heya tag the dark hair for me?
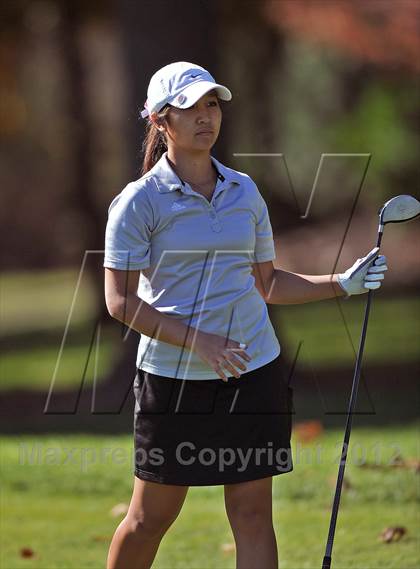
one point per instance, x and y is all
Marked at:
(154, 143)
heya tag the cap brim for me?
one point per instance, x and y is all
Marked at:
(192, 93)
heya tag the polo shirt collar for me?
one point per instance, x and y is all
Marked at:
(168, 181)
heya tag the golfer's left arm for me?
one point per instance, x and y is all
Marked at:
(277, 286)
(283, 287)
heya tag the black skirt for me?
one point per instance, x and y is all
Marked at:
(208, 432)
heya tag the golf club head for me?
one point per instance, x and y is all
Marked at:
(398, 209)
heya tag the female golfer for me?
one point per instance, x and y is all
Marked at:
(189, 264)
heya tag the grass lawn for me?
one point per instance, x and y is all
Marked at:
(33, 366)
(60, 506)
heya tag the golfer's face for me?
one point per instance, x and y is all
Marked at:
(197, 127)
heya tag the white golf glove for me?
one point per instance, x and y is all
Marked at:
(366, 273)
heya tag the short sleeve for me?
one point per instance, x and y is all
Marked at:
(264, 244)
(128, 231)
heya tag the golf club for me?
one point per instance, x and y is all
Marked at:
(396, 210)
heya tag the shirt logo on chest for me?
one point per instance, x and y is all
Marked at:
(176, 206)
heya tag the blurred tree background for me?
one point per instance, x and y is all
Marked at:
(310, 79)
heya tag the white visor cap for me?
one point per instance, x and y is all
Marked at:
(180, 84)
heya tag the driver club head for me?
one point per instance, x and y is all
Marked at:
(398, 209)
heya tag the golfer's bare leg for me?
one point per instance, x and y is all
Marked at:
(249, 509)
(153, 508)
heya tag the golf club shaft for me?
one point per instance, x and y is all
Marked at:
(327, 559)
(326, 564)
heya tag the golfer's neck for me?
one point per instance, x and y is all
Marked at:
(195, 166)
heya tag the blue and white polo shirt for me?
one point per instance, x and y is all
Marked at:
(195, 259)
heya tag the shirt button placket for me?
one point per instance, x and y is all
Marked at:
(215, 225)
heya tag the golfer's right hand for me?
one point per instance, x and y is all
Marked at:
(218, 353)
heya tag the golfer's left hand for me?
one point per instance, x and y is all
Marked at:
(366, 273)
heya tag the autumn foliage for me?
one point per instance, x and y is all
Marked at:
(380, 32)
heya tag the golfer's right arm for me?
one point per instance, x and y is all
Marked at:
(124, 305)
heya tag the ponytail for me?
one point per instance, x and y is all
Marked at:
(154, 144)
